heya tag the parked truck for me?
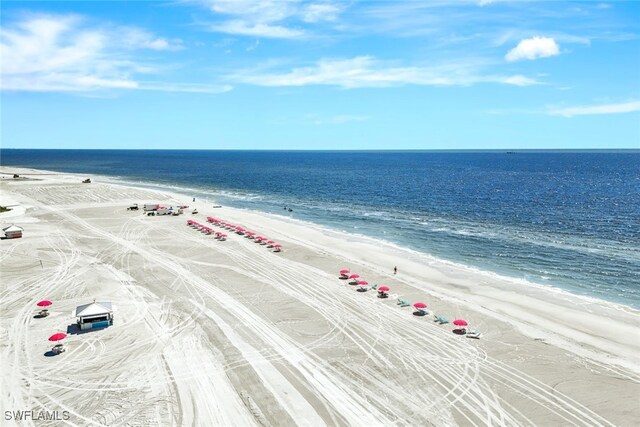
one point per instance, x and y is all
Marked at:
(152, 207)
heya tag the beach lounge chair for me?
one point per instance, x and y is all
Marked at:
(403, 303)
(58, 348)
(473, 334)
(441, 320)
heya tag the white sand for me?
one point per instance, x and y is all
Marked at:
(230, 333)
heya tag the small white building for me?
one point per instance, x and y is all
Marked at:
(13, 232)
(94, 315)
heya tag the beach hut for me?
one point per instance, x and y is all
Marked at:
(12, 232)
(93, 315)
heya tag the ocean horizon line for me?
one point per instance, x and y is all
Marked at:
(348, 150)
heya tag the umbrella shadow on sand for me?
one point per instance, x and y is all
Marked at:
(419, 313)
(51, 353)
(459, 331)
(39, 316)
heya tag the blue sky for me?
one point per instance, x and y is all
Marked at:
(322, 74)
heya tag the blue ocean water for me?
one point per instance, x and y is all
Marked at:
(565, 219)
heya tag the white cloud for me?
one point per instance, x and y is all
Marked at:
(533, 48)
(269, 18)
(63, 53)
(320, 12)
(244, 28)
(366, 71)
(135, 38)
(585, 110)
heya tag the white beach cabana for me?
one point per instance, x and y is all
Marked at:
(94, 315)
(13, 232)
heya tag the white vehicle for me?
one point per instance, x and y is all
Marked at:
(151, 207)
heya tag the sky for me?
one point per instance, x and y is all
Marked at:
(320, 74)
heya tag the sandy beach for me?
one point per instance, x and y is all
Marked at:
(232, 334)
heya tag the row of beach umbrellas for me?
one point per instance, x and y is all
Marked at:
(245, 232)
(207, 230)
(419, 306)
(58, 336)
(356, 279)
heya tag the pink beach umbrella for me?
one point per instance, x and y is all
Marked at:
(383, 289)
(270, 242)
(460, 322)
(354, 276)
(363, 283)
(57, 337)
(44, 303)
(344, 271)
(420, 305)
(277, 246)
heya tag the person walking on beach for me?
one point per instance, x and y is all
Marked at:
(395, 270)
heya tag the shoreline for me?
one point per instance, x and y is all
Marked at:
(517, 320)
(180, 192)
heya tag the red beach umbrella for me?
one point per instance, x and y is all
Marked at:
(363, 282)
(45, 303)
(420, 305)
(57, 337)
(383, 288)
(345, 271)
(354, 276)
(460, 322)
